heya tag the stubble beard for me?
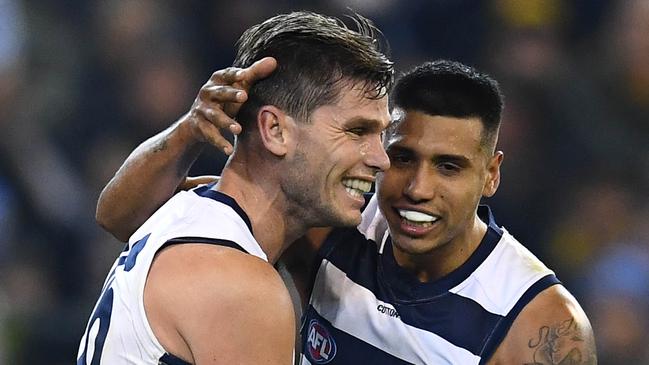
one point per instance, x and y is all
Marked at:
(307, 202)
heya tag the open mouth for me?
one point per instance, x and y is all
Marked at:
(357, 187)
(415, 218)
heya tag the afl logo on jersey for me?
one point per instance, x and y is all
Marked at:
(320, 345)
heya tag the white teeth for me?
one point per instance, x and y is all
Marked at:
(415, 216)
(354, 192)
(357, 187)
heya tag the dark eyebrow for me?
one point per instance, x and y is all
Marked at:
(374, 125)
(395, 147)
(456, 159)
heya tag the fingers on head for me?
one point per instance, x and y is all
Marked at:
(213, 136)
(223, 94)
(214, 116)
(260, 69)
(218, 118)
(228, 75)
(243, 77)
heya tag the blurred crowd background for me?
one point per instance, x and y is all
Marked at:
(83, 82)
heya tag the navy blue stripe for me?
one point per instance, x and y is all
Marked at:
(131, 259)
(501, 329)
(207, 192)
(346, 349)
(169, 359)
(449, 316)
(355, 255)
(211, 241)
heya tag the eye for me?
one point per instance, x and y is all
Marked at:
(400, 158)
(358, 131)
(449, 168)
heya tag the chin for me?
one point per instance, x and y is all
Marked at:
(351, 219)
(341, 218)
(413, 246)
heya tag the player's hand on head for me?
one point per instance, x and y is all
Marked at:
(244, 78)
(219, 100)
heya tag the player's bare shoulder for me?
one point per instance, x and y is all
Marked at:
(213, 304)
(551, 329)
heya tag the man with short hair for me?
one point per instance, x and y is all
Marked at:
(196, 283)
(443, 284)
(428, 277)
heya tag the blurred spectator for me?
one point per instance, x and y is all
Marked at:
(591, 220)
(527, 54)
(617, 294)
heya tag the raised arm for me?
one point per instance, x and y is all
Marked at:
(551, 329)
(156, 168)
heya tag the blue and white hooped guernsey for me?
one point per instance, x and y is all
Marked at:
(118, 331)
(365, 309)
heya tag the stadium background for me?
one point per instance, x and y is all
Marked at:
(83, 82)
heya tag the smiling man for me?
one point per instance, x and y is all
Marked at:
(429, 277)
(196, 283)
(443, 284)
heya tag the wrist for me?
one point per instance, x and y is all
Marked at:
(183, 133)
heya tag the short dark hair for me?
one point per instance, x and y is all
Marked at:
(449, 88)
(316, 56)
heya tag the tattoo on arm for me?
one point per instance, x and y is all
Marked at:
(183, 163)
(558, 344)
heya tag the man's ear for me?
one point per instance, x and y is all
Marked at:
(276, 129)
(493, 175)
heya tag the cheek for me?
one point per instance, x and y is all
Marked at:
(389, 184)
(463, 196)
(384, 203)
(363, 148)
(349, 156)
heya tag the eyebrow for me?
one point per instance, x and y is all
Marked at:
(374, 124)
(457, 159)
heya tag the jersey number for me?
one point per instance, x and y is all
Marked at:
(95, 337)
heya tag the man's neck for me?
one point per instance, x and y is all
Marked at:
(443, 260)
(266, 206)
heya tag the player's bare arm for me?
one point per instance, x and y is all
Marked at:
(551, 329)
(156, 168)
(212, 304)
